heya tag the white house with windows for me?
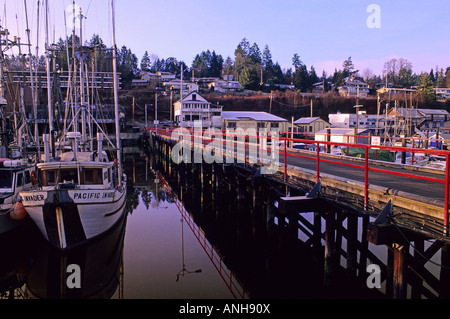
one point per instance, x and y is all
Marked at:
(253, 120)
(310, 125)
(354, 87)
(365, 121)
(197, 108)
(442, 93)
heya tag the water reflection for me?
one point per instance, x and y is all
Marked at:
(100, 263)
(148, 254)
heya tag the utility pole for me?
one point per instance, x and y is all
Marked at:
(270, 105)
(156, 112)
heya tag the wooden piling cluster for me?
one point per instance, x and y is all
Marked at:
(347, 240)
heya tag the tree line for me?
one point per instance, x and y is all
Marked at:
(254, 68)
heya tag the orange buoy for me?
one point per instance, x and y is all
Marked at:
(18, 212)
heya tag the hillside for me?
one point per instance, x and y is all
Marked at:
(284, 104)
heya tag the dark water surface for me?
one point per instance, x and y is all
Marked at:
(141, 258)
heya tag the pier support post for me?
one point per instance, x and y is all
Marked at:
(330, 260)
(352, 245)
(400, 269)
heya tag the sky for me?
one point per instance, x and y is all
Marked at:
(323, 33)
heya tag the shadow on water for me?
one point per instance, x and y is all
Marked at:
(267, 261)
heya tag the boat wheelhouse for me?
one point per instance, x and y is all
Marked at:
(15, 176)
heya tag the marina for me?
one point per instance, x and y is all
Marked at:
(163, 181)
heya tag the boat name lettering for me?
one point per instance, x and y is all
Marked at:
(93, 195)
(30, 198)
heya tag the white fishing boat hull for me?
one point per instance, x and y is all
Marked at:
(70, 217)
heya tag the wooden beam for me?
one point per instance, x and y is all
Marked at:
(302, 204)
(386, 234)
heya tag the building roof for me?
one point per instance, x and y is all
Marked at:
(341, 131)
(433, 111)
(251, 116)
(306, 120)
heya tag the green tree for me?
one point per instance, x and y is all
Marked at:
(249, 78)
(254, 55)
(240, 57)
(296, 62)
(146, 62)
(216, 65)
(425, 90)
(348, 68)
(302, 80)
(227, 69)
(447, 79)
(127, 65)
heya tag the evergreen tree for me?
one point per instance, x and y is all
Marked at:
(254, 55)
(127, 65)
(146, 63)
(425, 90)
(227, 69)
(249, 78)
(301, 79)
(447, 79)
(296, 62)
(348, 68)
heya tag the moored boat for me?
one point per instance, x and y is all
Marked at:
(15, 176)
(79, 198)
(81, 192)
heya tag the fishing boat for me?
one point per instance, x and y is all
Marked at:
(17, 171)
(81, 191)
(15, 176)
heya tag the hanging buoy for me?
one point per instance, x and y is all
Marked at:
(18, 212)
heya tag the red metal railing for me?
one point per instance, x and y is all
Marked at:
(287, 152)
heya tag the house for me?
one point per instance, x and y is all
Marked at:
(365, 121)
(399, 91)
(253, 120)
(165, 76)
(309, 125)
(145, 80)
(197, 108)
(225, 86)
(343, 135)
(354, 87)
(442, 93)
(423, 119)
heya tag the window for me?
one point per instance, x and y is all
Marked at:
(194, 97)
(92, 176)
(5, 179)
(51, 180)
(69, 175)
(19, 179)
(27, 177)
(231, 125)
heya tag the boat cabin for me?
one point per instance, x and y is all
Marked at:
(82, 172)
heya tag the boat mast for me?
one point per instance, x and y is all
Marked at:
(49, 86)
(33, 89)
(116, 97)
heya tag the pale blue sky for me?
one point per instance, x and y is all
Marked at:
(323, 32)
